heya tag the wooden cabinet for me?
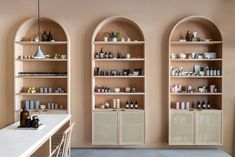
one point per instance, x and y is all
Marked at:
(118, 127)
(118, 73)
(181, 128)
(208, 127)
(195, 127)
(105, 128)
(195, 83)
(132, 127)
(49, 77)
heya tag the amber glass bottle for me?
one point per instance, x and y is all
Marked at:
(23, 116)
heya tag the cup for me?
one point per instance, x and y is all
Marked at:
(63, 56)
(128, 55)
(128, 89)
(193, 55)
(177, 105)
(27, 106)
(105, 39)
(173, 56)
(187, 105)
(182, 105)
(212, 88)
(123, 39)
(37, 104)
(128, 39)
(31, 104)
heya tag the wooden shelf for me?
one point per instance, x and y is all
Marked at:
(196, 77)
(115, 117)
(196, 43)
(195, 94)
(120, 109)
(42, 60)
(41, 43)
(193, 110)
(196, 60)
(195, 126)
(42, 77)
(42, 94)
(129, 77)
(46, 111)
(120, 93)
(119, 60)
(48, 72)
(119, 43)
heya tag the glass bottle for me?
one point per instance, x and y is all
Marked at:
(23, 116)
(50, 37)
(136, 105)
(127, 105)
(44, 36)
(198, 105)
(131, 105)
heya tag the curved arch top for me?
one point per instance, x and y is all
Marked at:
(117, 23)
(204, 26)
(28, 29)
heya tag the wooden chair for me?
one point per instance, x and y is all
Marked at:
(61, 143)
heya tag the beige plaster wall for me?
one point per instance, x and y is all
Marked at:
(156, 18)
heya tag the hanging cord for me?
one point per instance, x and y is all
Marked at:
(38, 22)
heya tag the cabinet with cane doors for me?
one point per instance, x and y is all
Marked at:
(41, 85)
(118, 83)
(195, 83)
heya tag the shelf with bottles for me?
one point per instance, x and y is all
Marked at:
(195, 56)
(110, 101)
(55, 57)
(127, 72)
(112, 37)
(43, 104)
(179, 89)
(197, 105)
(198, 71)
(204, 42)
(194, 33)
(111, 54)
(104, 90)
(42, 91)
(116, 104)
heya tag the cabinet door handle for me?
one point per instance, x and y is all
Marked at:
(114, 110)
(123, 110)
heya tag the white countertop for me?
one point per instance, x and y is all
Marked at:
(21, 143)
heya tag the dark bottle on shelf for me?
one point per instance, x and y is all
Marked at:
(208, 105)
(23, 116)
(204, 105)
(110, 55)
(136, 105)
(50, 37)
(101, 55)
(199, 105)
(44, 36)
(127, 105)
(131, 105)
(188, 36)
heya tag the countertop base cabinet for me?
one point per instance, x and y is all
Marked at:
(181, 128)
(118, 127)
(209, 128)
(195, 127)
(105, 128)
(132, 128)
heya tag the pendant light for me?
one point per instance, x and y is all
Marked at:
(38, 54)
